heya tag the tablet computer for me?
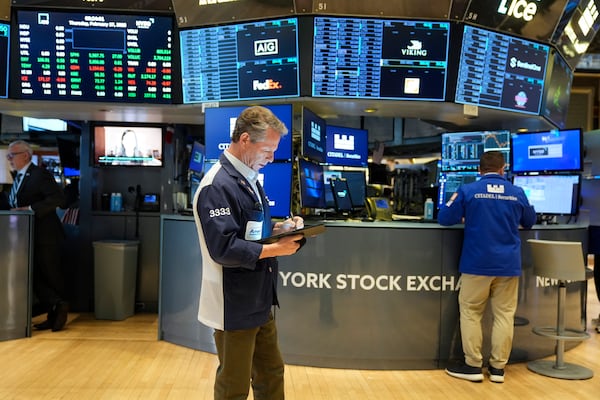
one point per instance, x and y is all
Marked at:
(311, 230)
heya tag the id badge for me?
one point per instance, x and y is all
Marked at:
(254, 230)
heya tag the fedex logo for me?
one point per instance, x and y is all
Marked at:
(343, 142)
(268, 84)
(266, 47)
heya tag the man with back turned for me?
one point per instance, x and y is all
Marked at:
(492, 210)
(239, 274)
(34, 189)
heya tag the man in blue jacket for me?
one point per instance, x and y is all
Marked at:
(492, 209)
(239, 274)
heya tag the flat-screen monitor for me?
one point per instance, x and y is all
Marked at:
(501, 71)
(127, 145)
(341, 195)
(551, 194)
(69, 152)
(219, 123)
(311, 182)
(461, 150)
(580, 26)
(357, 185)
(380, 58)
(347, 147)
(276, 179)
(44, 124)
(197, 158)
(4, 59)
(547, 151)
(93, 56)
(449, 182)
(313, 136)
(192, 13)
(533, 19)
(252, 60)
(557, 92)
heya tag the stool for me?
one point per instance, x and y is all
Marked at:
(564, 262)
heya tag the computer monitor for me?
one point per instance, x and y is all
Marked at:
(312, 193)
(197, 158)
(449, 182)
(547, 151)
(461, 151)
(356, 184)
(551, 194)
(313, 136)
(347, 147)
(276, 179)
(341, 195)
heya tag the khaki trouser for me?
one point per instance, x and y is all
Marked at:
(249, 356)
(502, 293)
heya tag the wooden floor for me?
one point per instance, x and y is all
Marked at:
(93, 359)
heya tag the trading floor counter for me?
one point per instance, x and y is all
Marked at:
(370, 295)
(15, 274)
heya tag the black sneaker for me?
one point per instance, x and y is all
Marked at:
(464, 371)
(496, 374)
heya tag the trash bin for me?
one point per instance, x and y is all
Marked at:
(115, 271)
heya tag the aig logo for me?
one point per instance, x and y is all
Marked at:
(266, 47)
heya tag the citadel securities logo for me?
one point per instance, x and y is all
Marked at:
(266, 47)
(383, 283)
(343, 142)
(519, 9)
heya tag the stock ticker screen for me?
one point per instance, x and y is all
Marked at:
(94, 57)
(376, 58)
(243, 61)
(4, 57)
(461, 150)
(501, 71)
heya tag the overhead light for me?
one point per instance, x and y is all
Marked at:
(370, 110)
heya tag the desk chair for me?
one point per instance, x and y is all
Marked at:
(562, 261)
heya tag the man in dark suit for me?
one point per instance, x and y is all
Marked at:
(35, 189)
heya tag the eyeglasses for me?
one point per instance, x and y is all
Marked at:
(10, 156)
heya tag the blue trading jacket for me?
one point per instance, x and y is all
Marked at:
(492, 208)
(238, 290)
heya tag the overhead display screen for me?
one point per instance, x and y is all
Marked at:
(196, 13)
(377, 58)
(93, 57)
(237, 62)
(501, 71)
(579, 31)
(533, 19)
(4, 57)
(558, 91)
(406, 8)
